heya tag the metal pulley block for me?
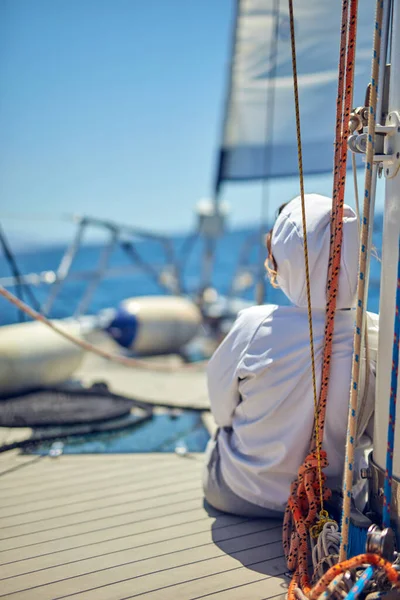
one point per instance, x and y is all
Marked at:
(358, 119)
(387, 142)
(357, 143)
(382, 542)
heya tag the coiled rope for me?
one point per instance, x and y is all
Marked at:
(358, 561)
(325, 549)
(360, 307)
(117, 358)
(308, 491)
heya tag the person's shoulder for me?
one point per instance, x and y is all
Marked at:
(248, 322)
(234, 346)
(258, 322)
(254, 316)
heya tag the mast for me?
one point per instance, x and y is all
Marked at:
(390, 257)
(210, 213)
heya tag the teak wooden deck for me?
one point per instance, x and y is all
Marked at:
(182, 388)
(108, 527)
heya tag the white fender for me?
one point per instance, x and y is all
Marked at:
(155, 324)
(33, 356)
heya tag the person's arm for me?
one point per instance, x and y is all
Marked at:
(223, 371)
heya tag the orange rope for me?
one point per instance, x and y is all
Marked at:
(300, 515)
(361, 287)
(303, 504)
(352, 563)
(345, 88)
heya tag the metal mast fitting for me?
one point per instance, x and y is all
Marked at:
(387, 135)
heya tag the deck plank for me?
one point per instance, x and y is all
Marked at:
(115, 567)
(255, 590)
(144, 533)
(53, 501)
(69, 487)
(13, 435)
(185, 538)
(12, 461)
(85, 529)
(50, 471)
(186, 388)
(143, 498)
(100, 507)
(185, 527)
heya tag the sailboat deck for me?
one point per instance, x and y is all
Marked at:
(125, 526)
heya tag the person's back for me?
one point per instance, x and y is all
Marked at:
(259, 379)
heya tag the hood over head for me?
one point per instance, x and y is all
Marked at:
(287, 246)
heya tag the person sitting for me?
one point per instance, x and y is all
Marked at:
(259, 378)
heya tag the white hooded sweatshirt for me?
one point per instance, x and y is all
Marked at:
(259, 378)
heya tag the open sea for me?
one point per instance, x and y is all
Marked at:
(110, 292)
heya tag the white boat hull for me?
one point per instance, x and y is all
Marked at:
(155, 324)
(33, 356)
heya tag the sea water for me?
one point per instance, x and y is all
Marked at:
(112, 291)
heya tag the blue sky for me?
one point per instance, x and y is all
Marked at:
(113, 108)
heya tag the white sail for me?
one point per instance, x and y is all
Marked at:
(259, 137)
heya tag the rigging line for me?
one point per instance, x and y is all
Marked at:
(360, 307)
(301, 509)
(338, 129)
(131, 250)
(364, 399)
(306, 263)
(186, 250)
(385, 48)
(356, 195)
(302, 496)
(117, 358)
(17, 274)
(269, 130)
(345, 98)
